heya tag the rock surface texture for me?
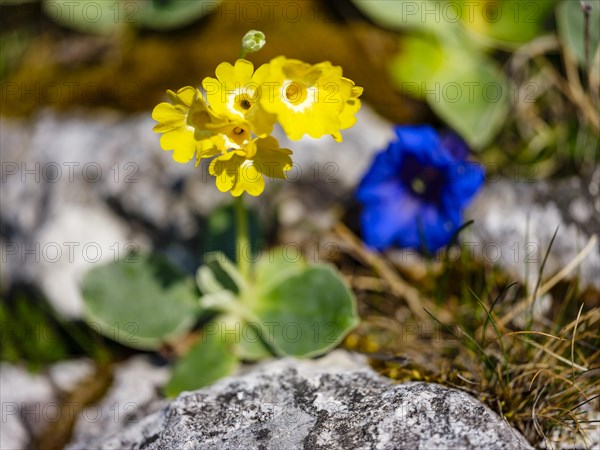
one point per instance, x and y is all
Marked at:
(324, 404)
(515, 222)
(31, 401)
(134, 393)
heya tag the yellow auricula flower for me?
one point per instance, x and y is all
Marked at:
(235, 94)
(229, 135)
(188, 125)
(307, 99)
(232, 125)
(243, 170)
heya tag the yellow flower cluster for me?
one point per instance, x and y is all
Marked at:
(232, 119)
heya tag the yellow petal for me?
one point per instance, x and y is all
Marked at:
(184, 96)
(224, 168)
(182, 142)
(205, 149)
(235, 76)
(168, 117)
(249, 180)
(270, 159)
(261, 121)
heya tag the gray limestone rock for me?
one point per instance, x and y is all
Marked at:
(31, 402)
(28, 404)
(292, 404)
(134, 394)
(65, 375)
(515, 222)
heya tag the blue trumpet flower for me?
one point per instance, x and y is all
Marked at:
(415, 191)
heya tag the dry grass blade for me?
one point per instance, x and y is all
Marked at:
(589, 317)
(573, 341)
(562, 274)
(541, 333)
(560, 358)
(397, 284)
(535, 419)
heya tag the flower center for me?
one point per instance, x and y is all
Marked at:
(298, 96)
(243, 101)
(245, 104)
(425, 181)
(295, 93)
(418, 185)
(236, 136)
(240, 101)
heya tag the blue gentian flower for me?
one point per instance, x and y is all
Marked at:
(414, 192)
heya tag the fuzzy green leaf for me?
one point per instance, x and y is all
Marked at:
(208, 360)
(307, 312)
(219, 273)
(141, 302)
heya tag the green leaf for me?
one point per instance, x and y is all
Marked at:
(421, 57)
(510, 22)
(220, 301)
(104, 17)
(570, 21)
(464, 87)
(219, 273)
(276, 264)
(307, 312)
(250, 345)
(88, 16)
(208, 360)
(474, 102)
(402, 14)
(141, 302)
(170, 14)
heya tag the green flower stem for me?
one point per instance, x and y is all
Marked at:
(242, 238)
